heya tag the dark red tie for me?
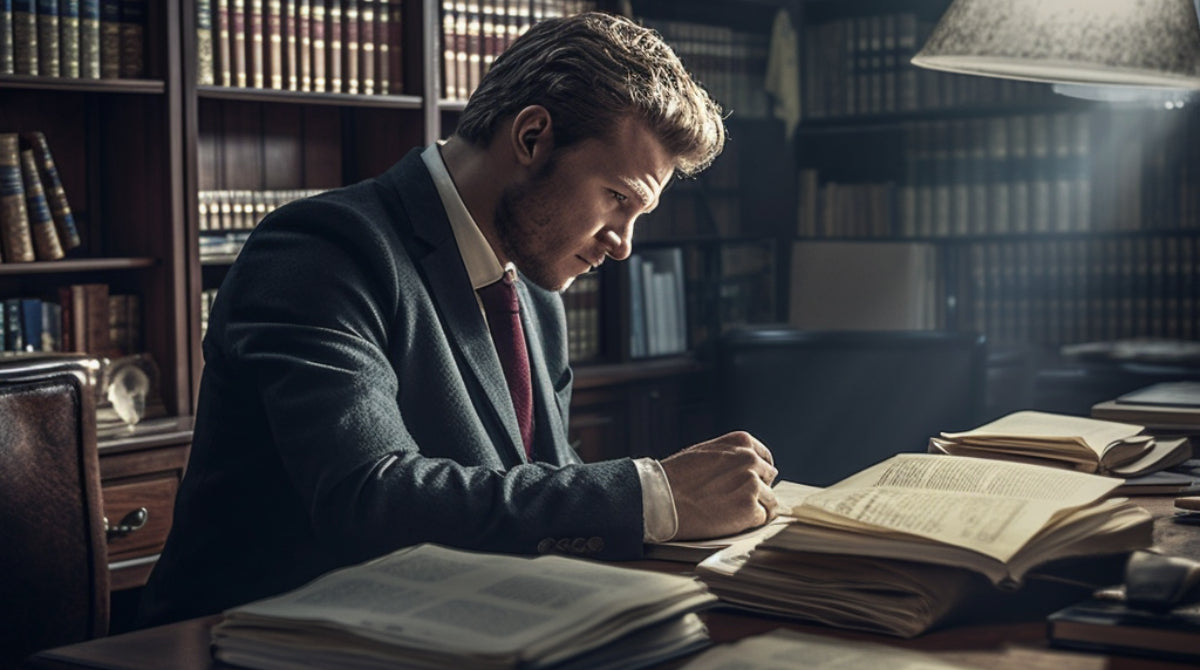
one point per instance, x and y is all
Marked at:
(504, 320)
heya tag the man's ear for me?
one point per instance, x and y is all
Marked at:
(531, 135)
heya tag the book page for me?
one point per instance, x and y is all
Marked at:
(431, 597)
(1047, 428)
(781, 649)
(992, 507)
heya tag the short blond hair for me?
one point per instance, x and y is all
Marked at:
(589, 71)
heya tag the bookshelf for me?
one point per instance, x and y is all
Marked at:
(1056, 221)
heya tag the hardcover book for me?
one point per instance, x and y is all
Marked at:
(56, 196)
(255, 46)
(305, 44)
(317, 29)
(367, 26)
(350, 46)
(222, 42)
(237, 46)
(333, 46)
(89, 39)
(47, 38)
(68, 38)
(1114, 626)
(14, 217)
(25, 36)
(41, 224)
(273, 24)
(110, 39)
(205, 73)
(6, 43)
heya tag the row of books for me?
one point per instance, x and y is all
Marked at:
(36, 222)
(582, 304)
(88, 39)
(207, 296)
(242, 209)
(657, 303)
(1065, 291)
(710, 204)
(83, 318)
(861, 66)
(732, 64)
(475, 32)
(1023, 173)
(336, 46)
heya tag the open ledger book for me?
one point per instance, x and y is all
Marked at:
(892, 548)
(432, 607)
(1089, 445)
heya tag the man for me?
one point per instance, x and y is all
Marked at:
(354, 400)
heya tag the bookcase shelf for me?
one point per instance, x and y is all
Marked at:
(135, 86)
(74, 266)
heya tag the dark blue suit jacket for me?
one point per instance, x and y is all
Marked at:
(352, 403)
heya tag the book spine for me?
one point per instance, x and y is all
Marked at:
(319, 47)
(395, 51)
(56, 196)
(383, 49)
(89, 39)
(31, 323)
(205, 74)
(333, 45)
(110, 39)
(222, 63)
(133, 39)
(41, 224)
(305, 46)
(350, 46)
(289, 45)
(51, 326)
(25, 37)
(68, 38)
(237, 47)
(12, 325)
(366, 48)
(14, 218)
(254, 43)
(449, 81)
(6, 41)
(273, 23)
(47, 38)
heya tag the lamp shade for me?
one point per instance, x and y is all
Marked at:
(1151, 43)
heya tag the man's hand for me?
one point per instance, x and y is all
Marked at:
(722, 486)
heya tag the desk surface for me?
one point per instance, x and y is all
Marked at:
(184, 645)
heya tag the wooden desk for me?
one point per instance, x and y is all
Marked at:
(184, 645)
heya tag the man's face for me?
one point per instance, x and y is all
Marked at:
(581, 205)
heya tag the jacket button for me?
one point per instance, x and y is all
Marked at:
(579, 545)
(563, 546)
(595, 544)
(545, 546)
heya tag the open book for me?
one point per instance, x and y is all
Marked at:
(893, 548)
(1089, 445)
(432, 607)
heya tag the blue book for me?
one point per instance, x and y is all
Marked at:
(31, 323)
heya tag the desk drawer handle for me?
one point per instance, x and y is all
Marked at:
(129, 523)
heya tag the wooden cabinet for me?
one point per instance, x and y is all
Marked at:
(139, 476)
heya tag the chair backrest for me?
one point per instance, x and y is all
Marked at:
(53, 562)
(830, 403)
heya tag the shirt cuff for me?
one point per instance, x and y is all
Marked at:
(659, 519)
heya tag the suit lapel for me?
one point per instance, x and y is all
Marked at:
(453, 294)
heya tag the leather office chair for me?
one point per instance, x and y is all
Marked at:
(53, 562)
(829, 404)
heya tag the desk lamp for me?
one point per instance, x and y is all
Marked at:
(1115, 50)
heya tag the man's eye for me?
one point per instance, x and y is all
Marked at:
(620, 197)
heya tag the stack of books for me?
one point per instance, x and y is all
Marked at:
(1166, 407)
(898, 547)
(1103, 447)
(432, 607)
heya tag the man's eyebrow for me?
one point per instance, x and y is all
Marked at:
(640, 192)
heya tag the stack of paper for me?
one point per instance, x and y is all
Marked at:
(894, 548)
(1089, 445)
(433, 607)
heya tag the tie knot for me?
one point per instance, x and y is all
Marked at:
(500, 296)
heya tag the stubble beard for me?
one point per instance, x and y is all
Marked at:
(517, 236)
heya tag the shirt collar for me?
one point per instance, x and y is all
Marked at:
(483, 267)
